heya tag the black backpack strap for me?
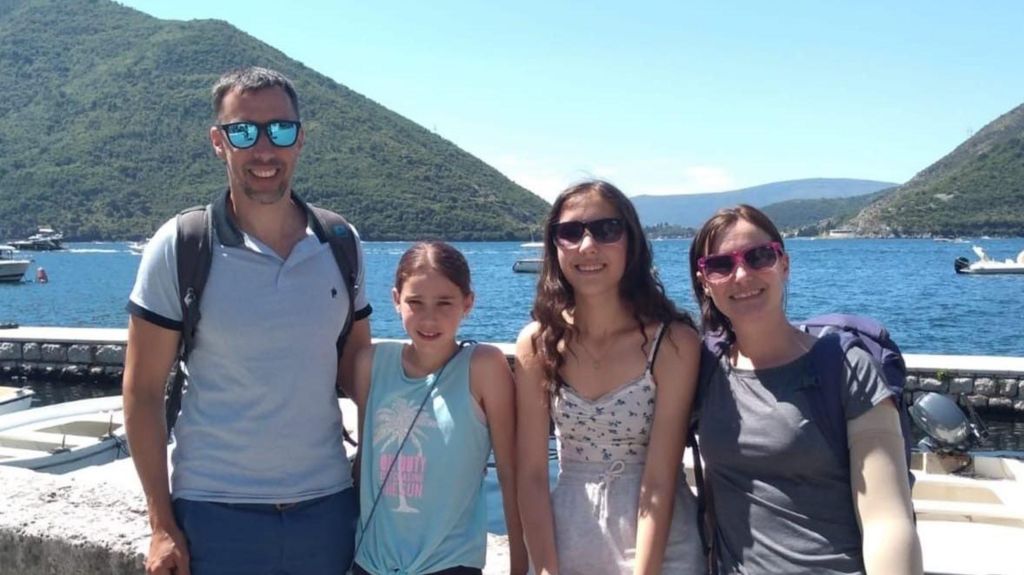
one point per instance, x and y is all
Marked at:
(194, 253)
(335, 231)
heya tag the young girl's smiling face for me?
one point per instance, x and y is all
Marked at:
(431, 306)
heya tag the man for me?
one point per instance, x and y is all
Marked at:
(261, 482)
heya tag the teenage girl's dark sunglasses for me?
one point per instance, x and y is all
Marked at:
(719, 267)
(243, 135)
(604, 231)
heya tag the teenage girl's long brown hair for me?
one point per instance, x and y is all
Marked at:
(640, 289)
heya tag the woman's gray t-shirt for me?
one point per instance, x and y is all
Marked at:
(782, 500)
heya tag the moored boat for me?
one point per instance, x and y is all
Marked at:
(987, 266)
(15, 398)
(65, 436)
(12, 268)
(138, 247)
(45, 239)
(529, 265)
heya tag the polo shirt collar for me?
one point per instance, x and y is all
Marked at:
(228, 232)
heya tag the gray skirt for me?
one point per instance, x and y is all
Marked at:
(595, 512)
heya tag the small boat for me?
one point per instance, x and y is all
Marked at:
(15, 398)
(64, 437)
(842, 233)
(986, 265)
(529, 265)
(12, 269)
(969, 502)
(45, 239)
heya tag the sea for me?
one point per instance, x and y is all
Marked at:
(907, 284)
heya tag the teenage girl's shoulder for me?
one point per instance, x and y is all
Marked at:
(488, 358)
(682, 338)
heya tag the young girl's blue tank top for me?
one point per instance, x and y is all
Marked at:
(431, 514)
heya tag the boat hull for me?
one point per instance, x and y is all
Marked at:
(64, 437)
(527, 266)
(13, 270)
(14, 399)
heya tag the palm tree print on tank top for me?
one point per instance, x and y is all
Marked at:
(406, 481)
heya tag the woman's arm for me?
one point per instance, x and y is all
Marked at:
(491, 382)
(532, 425)
(881, 494)
(675, 372)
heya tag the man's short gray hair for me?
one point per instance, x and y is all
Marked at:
(251, 79)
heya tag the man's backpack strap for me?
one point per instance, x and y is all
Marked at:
(825, 392)
(335, 231)
(194, 254)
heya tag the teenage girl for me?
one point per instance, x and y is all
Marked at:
(782, 502)
(612, 362)
(430, 411)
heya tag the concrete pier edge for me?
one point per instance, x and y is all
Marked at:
(94, 521)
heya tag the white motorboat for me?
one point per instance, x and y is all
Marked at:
(986, 265)
(970, 512)
(529, 265)
(12, 269)
(45, 239)
(15, 398)
(65, 436)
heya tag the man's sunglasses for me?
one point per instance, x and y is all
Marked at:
(719, 267)
(604, 231)
(243, 135)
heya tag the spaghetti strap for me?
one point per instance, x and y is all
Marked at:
(654, 350)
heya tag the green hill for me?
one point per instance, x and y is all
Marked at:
(810, 217)
(977, 189)
(106, 110)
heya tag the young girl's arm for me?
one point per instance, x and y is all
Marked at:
(675, 372)
(491, 382)
(532, 425)
(881, 495)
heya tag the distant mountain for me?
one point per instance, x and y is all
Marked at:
(691, 210)
(106, 111)
(815, 216)
(977, 189)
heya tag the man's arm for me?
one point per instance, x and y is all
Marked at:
(149, 355)
(358, 339)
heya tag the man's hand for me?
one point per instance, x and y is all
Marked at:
(168, 553)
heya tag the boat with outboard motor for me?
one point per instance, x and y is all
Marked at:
(45, 239)
(987, 266)
(15, 398)
(12, 268)
(64, 437)
(964, 500)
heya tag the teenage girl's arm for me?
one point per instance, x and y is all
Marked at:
(532, 425)
(675, 371)
(881, 495)
(362, 367)
(491, 383)
(148, 358)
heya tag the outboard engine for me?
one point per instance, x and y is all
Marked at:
(948, 429)
(960, 264)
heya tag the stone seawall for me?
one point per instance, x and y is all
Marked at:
(83, 355)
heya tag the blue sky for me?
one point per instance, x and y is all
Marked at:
(664, 97)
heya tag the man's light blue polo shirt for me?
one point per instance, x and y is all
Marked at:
(259, 420)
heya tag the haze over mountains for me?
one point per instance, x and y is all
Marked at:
(106, 111)
(690, 210)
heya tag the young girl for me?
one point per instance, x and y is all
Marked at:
(429, 413)
(614, 364)
(782, 501)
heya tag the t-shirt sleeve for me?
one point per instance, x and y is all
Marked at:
(154, 296)
(865, 385)
(362, 304)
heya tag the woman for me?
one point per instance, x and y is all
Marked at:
(782, 502)
(606, 346)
